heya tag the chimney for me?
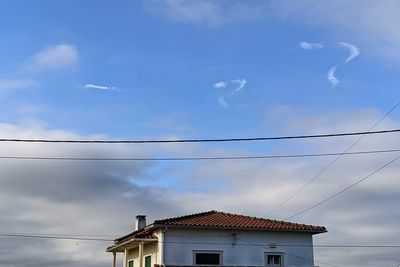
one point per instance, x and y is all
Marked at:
(140, 222)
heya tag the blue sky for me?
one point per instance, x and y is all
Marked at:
(148, 70)
(165, 69)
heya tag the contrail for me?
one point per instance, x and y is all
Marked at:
(354, 52)
(222, 99)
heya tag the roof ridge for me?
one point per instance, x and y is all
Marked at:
(186, 216)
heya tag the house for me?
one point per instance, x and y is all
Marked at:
(216, 238)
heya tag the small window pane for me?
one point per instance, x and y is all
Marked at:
(274, 260)
(147, 261)
(130, 263)
(207, 258)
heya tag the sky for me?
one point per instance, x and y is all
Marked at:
(163, 69)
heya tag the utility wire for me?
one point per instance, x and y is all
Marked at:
(344, 190)
(202, 158)
(245, 243)
(334, 161)
(55, 237)
(198, 140)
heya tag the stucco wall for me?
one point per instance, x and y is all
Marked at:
(181, 253)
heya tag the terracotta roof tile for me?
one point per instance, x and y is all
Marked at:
(219, 219)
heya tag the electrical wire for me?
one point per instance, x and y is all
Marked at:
(344, 190)
(246, 243)
(333, 162)
(202, 158)
(199, 140)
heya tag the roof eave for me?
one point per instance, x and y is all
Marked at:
(237, 228)
(115, 246)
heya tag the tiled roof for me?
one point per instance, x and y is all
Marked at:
(217, 219)
(141, 233)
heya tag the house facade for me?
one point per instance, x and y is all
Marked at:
(217, 239)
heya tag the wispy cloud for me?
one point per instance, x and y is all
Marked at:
(310, 46)
(241, 83)
(331, 75)
(222, 99)
(15, 84)
(354, 52)
(207, 12)
(100, 87)
(220, 85)
(57, 57)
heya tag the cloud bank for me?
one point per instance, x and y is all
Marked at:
(100, 198)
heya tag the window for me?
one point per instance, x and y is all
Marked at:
(207, 257)
(274, 259)
(147, 261)
(130, 263)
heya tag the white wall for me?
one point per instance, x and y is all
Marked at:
(239, 255)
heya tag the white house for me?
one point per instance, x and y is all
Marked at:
(217, 238)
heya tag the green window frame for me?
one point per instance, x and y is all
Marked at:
(147, 261)
(130, 263)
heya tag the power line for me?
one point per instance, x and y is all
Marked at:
(334, 161)
(83, 238)
(198, 140)
(345, 189)
(202, 158)
(55, 237)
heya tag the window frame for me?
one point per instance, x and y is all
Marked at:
(133, 262)
(281, 254)
(147, 256)
(219, 252)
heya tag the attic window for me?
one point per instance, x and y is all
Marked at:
(207, 257)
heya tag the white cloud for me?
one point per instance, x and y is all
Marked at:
(220, 85)
(241, 83)
(57, 57)
(331, 76)
(222, 99)
(310, 46)
(101, 87)
(15, 84)
(375, 26)
(354, 52)
(222, 102)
